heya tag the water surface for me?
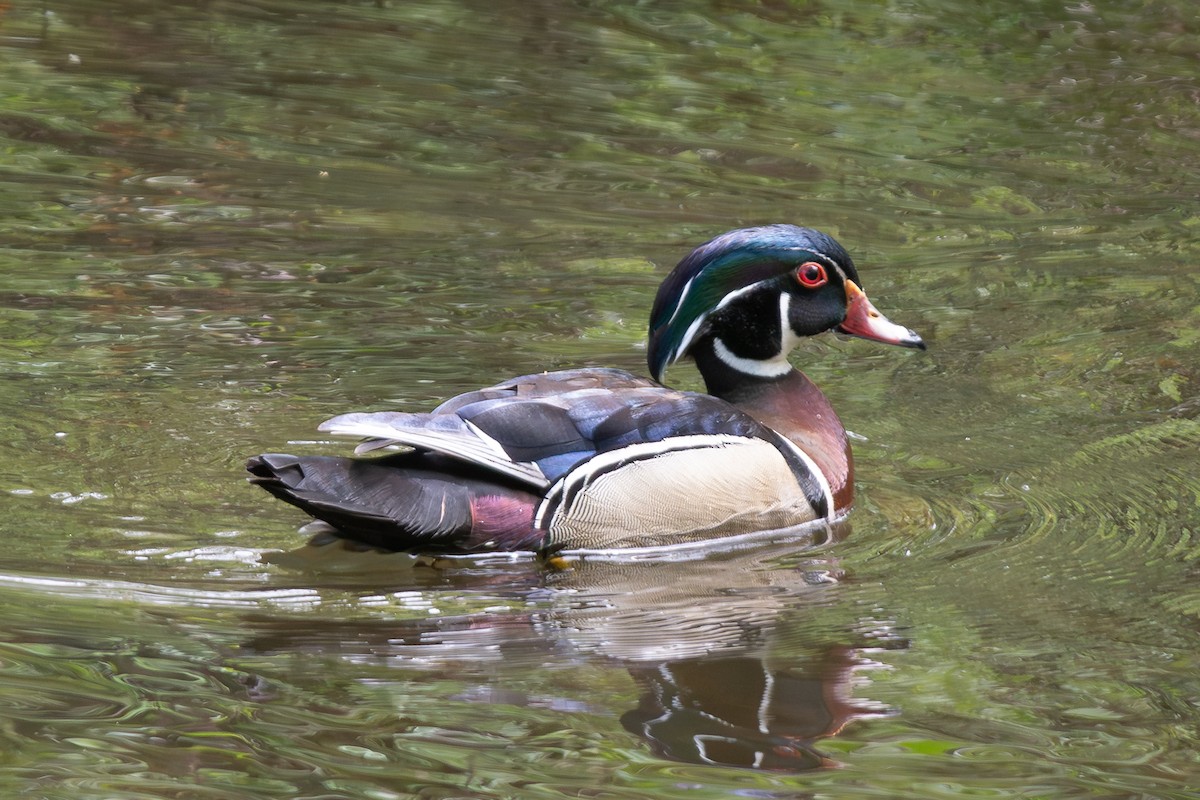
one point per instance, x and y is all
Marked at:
(224, 223)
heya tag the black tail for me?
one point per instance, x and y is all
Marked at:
(397, 503)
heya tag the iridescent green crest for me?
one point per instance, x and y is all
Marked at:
(721, 268)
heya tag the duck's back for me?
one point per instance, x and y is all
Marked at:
(592, 458)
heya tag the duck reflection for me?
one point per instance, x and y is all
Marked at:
(740, 711)
(731, 667)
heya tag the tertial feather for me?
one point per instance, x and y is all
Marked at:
(447, 434)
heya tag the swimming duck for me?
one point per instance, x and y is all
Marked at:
(605, 459)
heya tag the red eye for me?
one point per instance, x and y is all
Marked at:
(811, 275)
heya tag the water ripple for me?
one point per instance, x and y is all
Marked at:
(162, 595)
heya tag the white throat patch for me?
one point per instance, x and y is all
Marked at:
(775, 367)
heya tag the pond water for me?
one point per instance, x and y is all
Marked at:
(225, 222)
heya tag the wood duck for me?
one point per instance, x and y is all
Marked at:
(604, 459)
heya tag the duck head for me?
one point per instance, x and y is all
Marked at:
(750, 295)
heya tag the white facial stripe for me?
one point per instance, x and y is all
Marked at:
(829, 261)
(788, 338)
(833, 263)
(775, 367)
(694, 328)
(686, 341)
(736, 293)
(687, 287)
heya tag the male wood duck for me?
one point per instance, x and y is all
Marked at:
(604, 459)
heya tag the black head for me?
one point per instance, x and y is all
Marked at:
(753, 292)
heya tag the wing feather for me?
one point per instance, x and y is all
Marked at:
(447, 434)
(538, 428)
